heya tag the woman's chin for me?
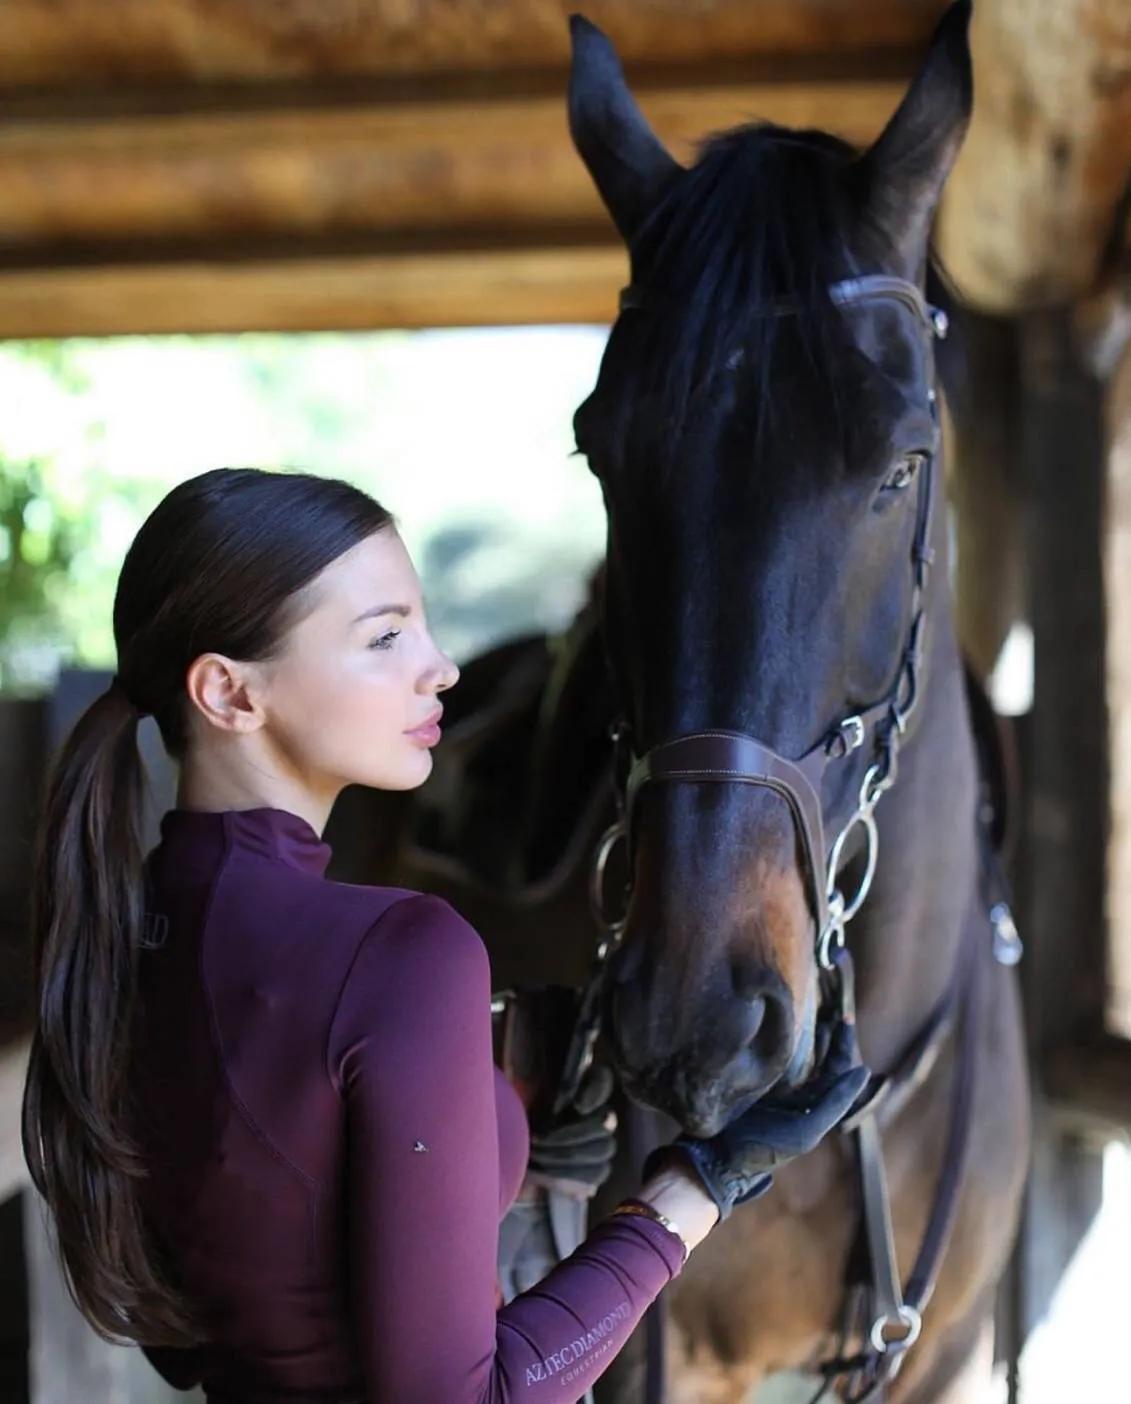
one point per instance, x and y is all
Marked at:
(412, 773)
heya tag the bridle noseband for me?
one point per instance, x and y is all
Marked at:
(733, 757)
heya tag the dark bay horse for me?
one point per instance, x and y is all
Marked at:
(776, 615)
(765, 434)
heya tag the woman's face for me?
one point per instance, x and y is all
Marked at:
(359, 675)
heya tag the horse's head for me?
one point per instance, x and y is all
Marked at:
(760, 442)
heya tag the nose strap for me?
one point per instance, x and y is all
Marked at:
(735, 758)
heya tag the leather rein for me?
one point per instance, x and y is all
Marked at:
(885, 1318)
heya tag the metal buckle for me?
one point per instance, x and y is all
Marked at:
(905, 1316)
(848, 737)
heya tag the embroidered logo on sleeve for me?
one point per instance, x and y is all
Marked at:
(582, 1353)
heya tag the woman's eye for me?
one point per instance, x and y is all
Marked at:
(903, 475)
(385, 640)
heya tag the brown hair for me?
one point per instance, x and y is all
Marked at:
(219, 564)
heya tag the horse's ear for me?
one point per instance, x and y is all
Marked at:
(629, 165)
(906, 168)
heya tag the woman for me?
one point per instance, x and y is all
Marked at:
(261, 1105)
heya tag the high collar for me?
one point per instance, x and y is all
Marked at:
(276, 834)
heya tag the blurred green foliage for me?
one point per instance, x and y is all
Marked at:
(464, 435)
(36, 551)
(49, 532)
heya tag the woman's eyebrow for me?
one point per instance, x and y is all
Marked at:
(403, 610)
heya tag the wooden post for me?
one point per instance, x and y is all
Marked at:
(1062, 867)
(1117, 568)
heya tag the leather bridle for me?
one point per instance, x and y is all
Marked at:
(733, 757)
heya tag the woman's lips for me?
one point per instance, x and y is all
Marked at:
(427, 733)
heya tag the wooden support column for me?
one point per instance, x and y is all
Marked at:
(1062, 867)
(1063, 452)
(1117, 567)
(979, 372)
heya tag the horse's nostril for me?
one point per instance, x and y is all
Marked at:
(771, 1034)
(747, 977)
(755, 1017)
(767, 1011)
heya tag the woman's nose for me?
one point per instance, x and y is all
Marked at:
(448, 673)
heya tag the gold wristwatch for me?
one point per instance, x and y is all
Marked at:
(648, 1211)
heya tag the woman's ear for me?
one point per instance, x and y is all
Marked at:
(223, 692)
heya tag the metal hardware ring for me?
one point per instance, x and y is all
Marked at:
(904, 1315)
(605, 845)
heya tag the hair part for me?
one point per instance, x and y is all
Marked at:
(220, 564)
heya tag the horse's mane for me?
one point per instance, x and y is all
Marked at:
(761, 216)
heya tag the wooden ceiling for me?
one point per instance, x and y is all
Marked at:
(188, 165)
(57, 43)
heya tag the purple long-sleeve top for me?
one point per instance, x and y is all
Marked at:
(331, 1147)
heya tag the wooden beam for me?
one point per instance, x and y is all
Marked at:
(130, 41)
(402, 215)
(295, 172)
(1030, 206)
(473, 288)
(13, 1070)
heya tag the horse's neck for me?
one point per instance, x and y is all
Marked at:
(905, 942)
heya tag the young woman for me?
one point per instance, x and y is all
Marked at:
(261, 1105)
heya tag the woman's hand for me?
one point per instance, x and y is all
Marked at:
(735, 1165)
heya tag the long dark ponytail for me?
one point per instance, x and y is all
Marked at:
(219, 565)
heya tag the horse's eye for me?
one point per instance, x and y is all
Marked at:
(903, 474)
